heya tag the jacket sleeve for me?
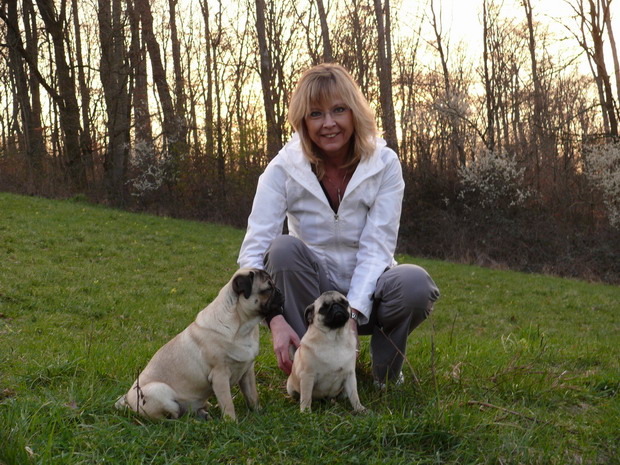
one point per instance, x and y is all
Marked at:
(267, 217)
(378, 239)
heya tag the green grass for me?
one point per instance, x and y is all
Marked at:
(511, 368)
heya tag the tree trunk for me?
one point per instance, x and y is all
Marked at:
(179, 82)
(327, 46)
(614, 52)
(209, 75)
(273, 140)
(385, 75)
(538, 144)
(28, 142)
(32, 46)
(115, 81)
(174, 127)
(139, 91)
(453, 117)
(219, 146)
(488, 87)
(85, 138)
(69, 111)
(599, 60)
(360, 62)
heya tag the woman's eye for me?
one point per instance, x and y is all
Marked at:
(316, 114)
(339, 110)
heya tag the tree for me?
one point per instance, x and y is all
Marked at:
(179, 84)
(115, 81)
(209, 78)
(66, 99)
(355, 35)
(174, 126)
(407, 77)
(85, 137)
(274, 138)
(488, 87)
(32, 143)
(614, 52)
(327, 46)
(139, 81)
(592, 24)
(449, 105)
(384, 65)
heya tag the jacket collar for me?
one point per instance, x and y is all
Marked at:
(299, 168)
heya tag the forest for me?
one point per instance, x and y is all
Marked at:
(511, 155)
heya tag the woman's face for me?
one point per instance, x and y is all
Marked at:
(330, 127)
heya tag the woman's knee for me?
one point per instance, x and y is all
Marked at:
(281, 252)
(407, 288)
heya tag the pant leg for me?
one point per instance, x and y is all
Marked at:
(297, 272)
(403, 298)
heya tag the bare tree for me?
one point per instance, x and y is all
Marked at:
(538, 140)
(490, 100)
(174, 125)
(85, 138)
(115, 81)
(384, 66)
(191, 49)
(32, 142)
(217, 88)
(407, 77)
(32, 45)
(209, 79)
(179, 85)
(592, 25)
(68, 109)
(327, 46)
(450, 101)
(614, 52)
(139, 81)
(355, 44)
(274, 138)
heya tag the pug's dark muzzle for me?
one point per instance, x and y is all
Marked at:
(274, 305)
(336, 316)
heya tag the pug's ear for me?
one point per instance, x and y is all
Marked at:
(309, 314)
(243, 284)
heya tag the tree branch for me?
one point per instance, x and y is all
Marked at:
(31, 64)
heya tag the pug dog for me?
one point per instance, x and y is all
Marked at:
(212, 354)
(324, 363)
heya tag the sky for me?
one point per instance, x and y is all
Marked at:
(462, 21)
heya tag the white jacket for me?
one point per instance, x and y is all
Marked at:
(355, 245)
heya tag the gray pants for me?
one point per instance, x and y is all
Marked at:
(402, 300)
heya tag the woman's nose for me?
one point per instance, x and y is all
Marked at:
(328, 120)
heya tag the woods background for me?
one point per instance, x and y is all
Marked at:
(510, 156)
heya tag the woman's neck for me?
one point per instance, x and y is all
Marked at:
(334, 164)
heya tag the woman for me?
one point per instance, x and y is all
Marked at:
(341, 189)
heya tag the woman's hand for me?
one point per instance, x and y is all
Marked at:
(283, 337)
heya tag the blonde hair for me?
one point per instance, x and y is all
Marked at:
(328, 82)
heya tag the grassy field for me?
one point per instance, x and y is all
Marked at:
(511, 368)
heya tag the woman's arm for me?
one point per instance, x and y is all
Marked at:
(378, 238)
(267, 217)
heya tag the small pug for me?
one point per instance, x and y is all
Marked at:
(213, 353)
(324, 363)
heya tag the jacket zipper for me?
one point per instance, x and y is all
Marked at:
(338, 245)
